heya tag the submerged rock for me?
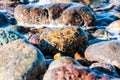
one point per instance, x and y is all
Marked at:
(107, 52)
(72, 14)
(19, 60)
(9, 36)
(63, 40)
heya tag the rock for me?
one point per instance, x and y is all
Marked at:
(107, 52)
(9, 36)
(3, 19)
(114, 27)
(66, 41)
(63, 61)
(96, 3)
(73, 72)
(35, 39)
(54, 14)
(19, 60)
(82, 60)
(101, 35)
(57, 56)
(104, 68)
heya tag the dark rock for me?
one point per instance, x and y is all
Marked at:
(104, 68)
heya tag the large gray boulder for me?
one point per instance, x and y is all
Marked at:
(19, 60)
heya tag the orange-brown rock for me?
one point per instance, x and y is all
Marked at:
(67, 41)
(55, 14)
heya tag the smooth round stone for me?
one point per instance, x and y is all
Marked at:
(9, 36)
(114, 27)
(107, 52)
(104, 68)
(102, 35)
(67, 41)
(63, 61)
(74, 72)
(19, 60)
(57, 14)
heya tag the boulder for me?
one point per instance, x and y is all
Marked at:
(74, 72)
(72, 14)
(66, 41)
(19, 60)
(106, 51)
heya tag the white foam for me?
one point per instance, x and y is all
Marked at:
(43, 2)
(42, 25)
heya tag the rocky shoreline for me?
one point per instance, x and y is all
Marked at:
(60, 40)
